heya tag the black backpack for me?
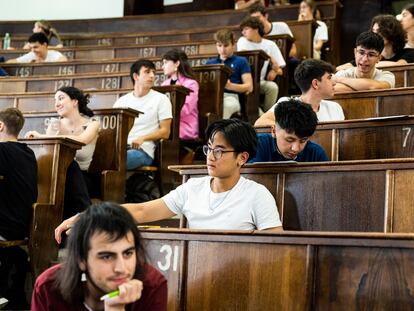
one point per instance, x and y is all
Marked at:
(141, 188)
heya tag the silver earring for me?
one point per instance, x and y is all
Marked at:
(83, 277)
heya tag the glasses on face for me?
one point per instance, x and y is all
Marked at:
(217, 152)
(368, 54)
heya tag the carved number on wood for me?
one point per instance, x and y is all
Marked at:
(170, 257)
(110, 83)
(407, 131)
(110, 67)
(66, 70)
(206, 77)
(108, 122)
(105, 41)
(190, 49)
(61, 83)
(23, 71)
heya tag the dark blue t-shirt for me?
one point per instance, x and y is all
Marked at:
(237, 64)
(267, 152)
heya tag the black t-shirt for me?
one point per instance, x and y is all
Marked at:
(18, 189)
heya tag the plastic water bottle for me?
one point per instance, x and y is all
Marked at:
(6, 41)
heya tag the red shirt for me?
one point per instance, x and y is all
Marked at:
(46, 297)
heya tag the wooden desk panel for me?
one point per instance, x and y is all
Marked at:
(335, 196)
(213, 270)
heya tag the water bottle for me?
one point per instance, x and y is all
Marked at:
(6, 41)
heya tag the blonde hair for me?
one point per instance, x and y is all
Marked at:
(48, 30)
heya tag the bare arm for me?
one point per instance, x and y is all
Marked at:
(63, 58)
(360, 84)
(149, 211)
(274, 229)
(266, 119)
(340, 87)
(344, 66)
(241, 5)
(386, 63)
(88, 135)
(293, 50)
(318, 45)
(245, 87)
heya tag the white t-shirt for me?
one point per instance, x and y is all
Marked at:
(266, 45)
(155, 107)
(280, 28)
(321, 33)
(378, 75)
(328, 110)
(247, 206)
(52, 56)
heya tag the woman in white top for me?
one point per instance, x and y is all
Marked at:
(75, 121)
(307, 12)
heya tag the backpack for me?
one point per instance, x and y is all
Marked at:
(141, 188)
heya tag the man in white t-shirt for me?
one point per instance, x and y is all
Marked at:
(274, 28)
(223, 200)
(365, 76)
(314, 78)
(252, 39)
(155, 121)
(39, 53)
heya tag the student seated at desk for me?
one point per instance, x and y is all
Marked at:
(39, 45)
(18, 192)
(295, 124)
(76, 122)
(105, 253)
(224, 200)
(365, 76)
(52, 35)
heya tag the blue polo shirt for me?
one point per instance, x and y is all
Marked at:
(267, 152)
(238, 64)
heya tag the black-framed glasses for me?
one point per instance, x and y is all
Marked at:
(369, 54)
(217, 152)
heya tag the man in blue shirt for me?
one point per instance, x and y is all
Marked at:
(241, 80)
(295, 124)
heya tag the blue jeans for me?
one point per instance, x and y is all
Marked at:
(137, 158)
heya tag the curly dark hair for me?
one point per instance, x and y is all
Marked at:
(254, 23)
(391, 30)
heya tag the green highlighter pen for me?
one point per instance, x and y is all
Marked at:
(110, 295)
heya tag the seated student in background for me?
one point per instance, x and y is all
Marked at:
(394, 52)
(295, 124)
(178, 71)
(314, 78)
(155, 122)
(308, 12)
(224, 200)
(76, 122)
(240, 80)
(105, 252)
(365, 76)
(46, 28)
(39, 51)
(274, 28)
(18, 192)
(407, 22)
(244, 4)
(252, 39)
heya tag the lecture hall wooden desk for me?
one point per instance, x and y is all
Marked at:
(375, 138)
(362, 196)
(235, 270)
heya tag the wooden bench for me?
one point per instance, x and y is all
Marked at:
(377, 138)
(53, 157)
(376, 103)
(110, 154)
(213, 270)
(365, 196)
(404, 74)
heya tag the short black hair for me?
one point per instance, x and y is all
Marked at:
(254, 23)
(239, 134)
(370, 40)
(257, 7)
(296, 117)
(38, 37)
(391, 30)
(136, 67)
(310, 69)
